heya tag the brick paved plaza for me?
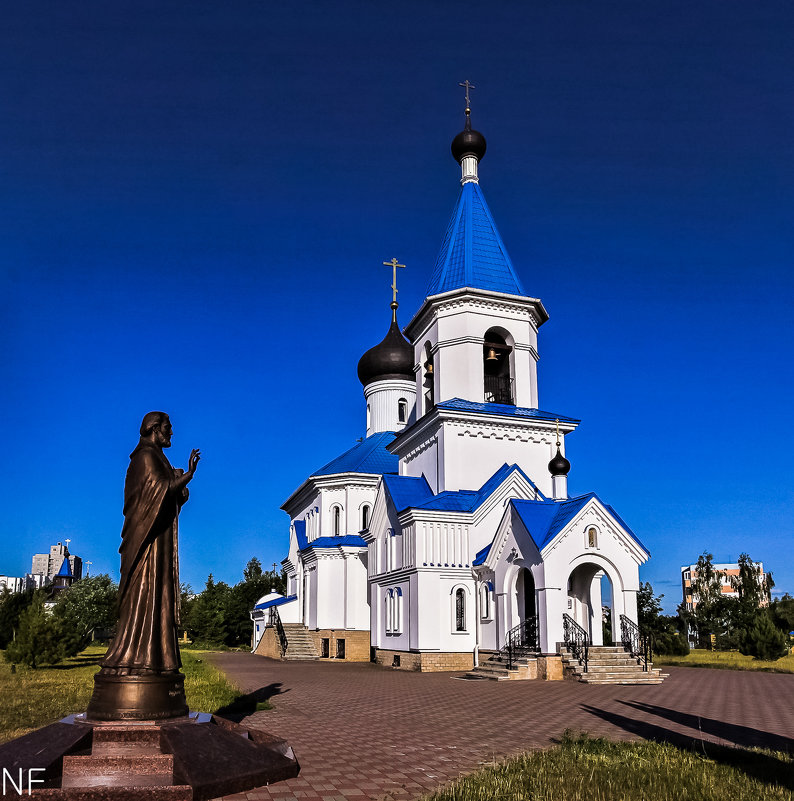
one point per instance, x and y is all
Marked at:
(365, 732)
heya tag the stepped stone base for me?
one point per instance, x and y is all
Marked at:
(356, 645)
(545, 667)
(307, 644)
(194, 758)
(609, 664)
(425, 662)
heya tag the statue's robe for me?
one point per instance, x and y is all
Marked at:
(146, 637)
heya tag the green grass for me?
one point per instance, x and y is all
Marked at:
(725, 660)
(33, 698)
(586, 769)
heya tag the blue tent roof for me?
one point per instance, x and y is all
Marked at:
(66, 569)
(473, 253)
(544, 520)
(458, 404)
(368, 456)
(276, 602)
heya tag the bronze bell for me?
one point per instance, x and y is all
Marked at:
(491, 357)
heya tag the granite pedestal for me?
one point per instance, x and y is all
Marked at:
(194, 758)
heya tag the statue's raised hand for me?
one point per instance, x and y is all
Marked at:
(195, 455)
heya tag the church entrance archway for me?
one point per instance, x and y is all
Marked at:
(525, 595)
(591, 604)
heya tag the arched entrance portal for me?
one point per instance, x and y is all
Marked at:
(591, 603)
(525, 595)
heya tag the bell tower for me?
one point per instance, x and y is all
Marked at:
(475, 342)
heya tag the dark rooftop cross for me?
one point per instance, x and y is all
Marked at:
(393, 264)
(466, 85)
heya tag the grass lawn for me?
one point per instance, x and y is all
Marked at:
(727, 660)
(587, 769)
(33, 698)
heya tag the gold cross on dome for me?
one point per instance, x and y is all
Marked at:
(394, 266)
(466, 85)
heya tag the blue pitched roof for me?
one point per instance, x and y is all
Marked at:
(469, 500)
(276, 602)
(66, 569)
(458, 404)
(334, 542)
(368, 456)
(300, 533)
(473, 253)
(482, 555)
(544, 520)
(407, 491)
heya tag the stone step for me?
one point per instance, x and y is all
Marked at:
(150, 770)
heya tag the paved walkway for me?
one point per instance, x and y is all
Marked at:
(364, 732)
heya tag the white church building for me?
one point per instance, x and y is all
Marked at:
(447, 534)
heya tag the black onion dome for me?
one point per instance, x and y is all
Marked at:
(468, 143)
(392, 358)
(559, 465)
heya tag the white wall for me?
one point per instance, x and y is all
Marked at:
(382, 399)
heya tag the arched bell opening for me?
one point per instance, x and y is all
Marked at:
(591, 603)
(497, 358)
(428, 380)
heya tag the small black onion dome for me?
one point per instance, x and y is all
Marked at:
(468, 143)
(392, 358)
(559, 465)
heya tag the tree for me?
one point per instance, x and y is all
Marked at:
(763, 640)
(711, 607)
(88, 604)
(12, 605)
(206, 622)
(754, 593)
(40, 639)
(242, 598)
(782, 612)
(649, 608)
(665, 630)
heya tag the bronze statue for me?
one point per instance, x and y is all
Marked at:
(140, 676)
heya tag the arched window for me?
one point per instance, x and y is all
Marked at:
(497, 373)
(389, 602)
(460, 610)
(402, 410)
(592, 537)
(337, 514)
(427, 383)
(369, 415)
(364, 516)
(485, 602)
(397, 620)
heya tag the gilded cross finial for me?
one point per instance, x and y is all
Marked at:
(557, 421)
(394, 266)
(466, 85)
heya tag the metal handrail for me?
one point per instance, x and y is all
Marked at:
(521, 640)
(576, 638)
(636, 641)
(275, 621)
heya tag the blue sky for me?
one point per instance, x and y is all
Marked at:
(196, 200)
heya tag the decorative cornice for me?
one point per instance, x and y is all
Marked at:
(481, 298)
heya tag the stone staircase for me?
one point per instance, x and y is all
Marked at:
(495, 669)
(609, 664)
(300, 645)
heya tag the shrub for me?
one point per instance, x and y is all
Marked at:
(763, 640)
(672, 643)
(39, 641)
